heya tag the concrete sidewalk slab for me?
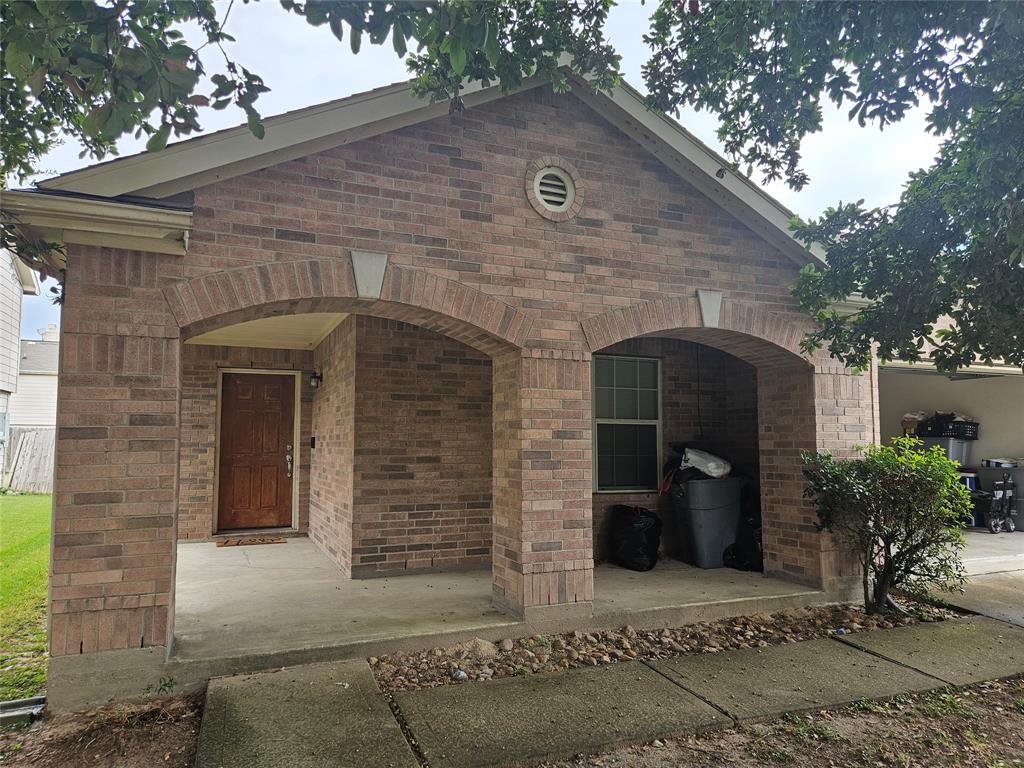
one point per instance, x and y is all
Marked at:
(316, 716)
(752, 684)
(960, 651)
(992, 553)
(516, 720)
(996, 595)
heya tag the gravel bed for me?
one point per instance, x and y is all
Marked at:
(483, 660)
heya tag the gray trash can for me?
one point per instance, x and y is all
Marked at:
(707, 516)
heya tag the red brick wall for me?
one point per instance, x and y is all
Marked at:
(402, 467)
(331, 477)
(725, 421)
(116, 454)
(543, 535)
(422, 487)
(447, 197)
(200, 366)
(469, 257)
(786, 407)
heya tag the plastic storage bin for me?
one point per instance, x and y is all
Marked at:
(958, 450)
(707, 516)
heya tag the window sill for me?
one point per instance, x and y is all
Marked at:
(621, 491)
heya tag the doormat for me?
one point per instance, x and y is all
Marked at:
(243, 541)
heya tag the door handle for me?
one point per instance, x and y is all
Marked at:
(288, 458)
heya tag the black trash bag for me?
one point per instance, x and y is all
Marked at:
(636, 537)
(746, 554)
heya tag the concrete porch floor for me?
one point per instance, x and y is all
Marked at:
(288, 601)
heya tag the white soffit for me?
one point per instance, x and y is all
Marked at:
(26, 276)
(64, 219)
(923, 366)
(279, 332)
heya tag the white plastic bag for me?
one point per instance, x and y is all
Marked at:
(707, 463)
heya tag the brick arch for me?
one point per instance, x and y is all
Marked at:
(414, 296)
(745, 330)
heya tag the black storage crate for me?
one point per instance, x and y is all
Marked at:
(939, 427)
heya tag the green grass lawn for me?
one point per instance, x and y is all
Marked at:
(24, 565)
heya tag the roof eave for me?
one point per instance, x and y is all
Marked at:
(701, 166)
(26, 276)
(233, 152)
(64, 220)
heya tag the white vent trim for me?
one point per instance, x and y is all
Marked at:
(554, 188)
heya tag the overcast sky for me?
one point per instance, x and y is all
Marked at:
(306, 65)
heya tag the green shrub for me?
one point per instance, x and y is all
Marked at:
(900, 508)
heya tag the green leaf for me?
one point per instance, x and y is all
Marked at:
(398, 39)
(159, 139)
(457, 56)
(256, 125)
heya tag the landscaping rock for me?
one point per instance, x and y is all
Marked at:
(551, 653)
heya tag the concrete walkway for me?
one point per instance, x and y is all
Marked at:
(993, 553)
(995, 568)
(332, 715)
(996, 595)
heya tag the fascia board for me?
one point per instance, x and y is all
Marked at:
(235, 151)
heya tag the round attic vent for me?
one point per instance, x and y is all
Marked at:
(554, 189)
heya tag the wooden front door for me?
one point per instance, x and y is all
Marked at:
(257, 451)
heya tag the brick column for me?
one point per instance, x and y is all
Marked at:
(786, 426)
(846, 408)
(799, 408)
(543, 560)
(115, 468)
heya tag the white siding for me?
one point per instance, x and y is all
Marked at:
(10, 323)
(35, 402)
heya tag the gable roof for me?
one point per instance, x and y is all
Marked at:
(232, 152)
(39, 356)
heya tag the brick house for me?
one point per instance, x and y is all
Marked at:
(426, 342)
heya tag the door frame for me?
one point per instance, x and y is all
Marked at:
(296, 430)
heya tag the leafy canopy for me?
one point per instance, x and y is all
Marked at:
(940, 272)
(97, 71)
(900, 508)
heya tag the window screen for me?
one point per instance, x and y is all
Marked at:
(627, 412)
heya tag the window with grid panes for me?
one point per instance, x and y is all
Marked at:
(627, 412)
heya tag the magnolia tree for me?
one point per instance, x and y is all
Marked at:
(900, 509)
(941, 270)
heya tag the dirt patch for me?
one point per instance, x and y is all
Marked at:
(162, 732)
(482, 660)
(977, 726)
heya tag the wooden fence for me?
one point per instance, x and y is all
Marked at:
(30, 459)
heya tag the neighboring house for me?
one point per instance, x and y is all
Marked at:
(16, 280)
(35, 402)
(425, 340)
(34, 414)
